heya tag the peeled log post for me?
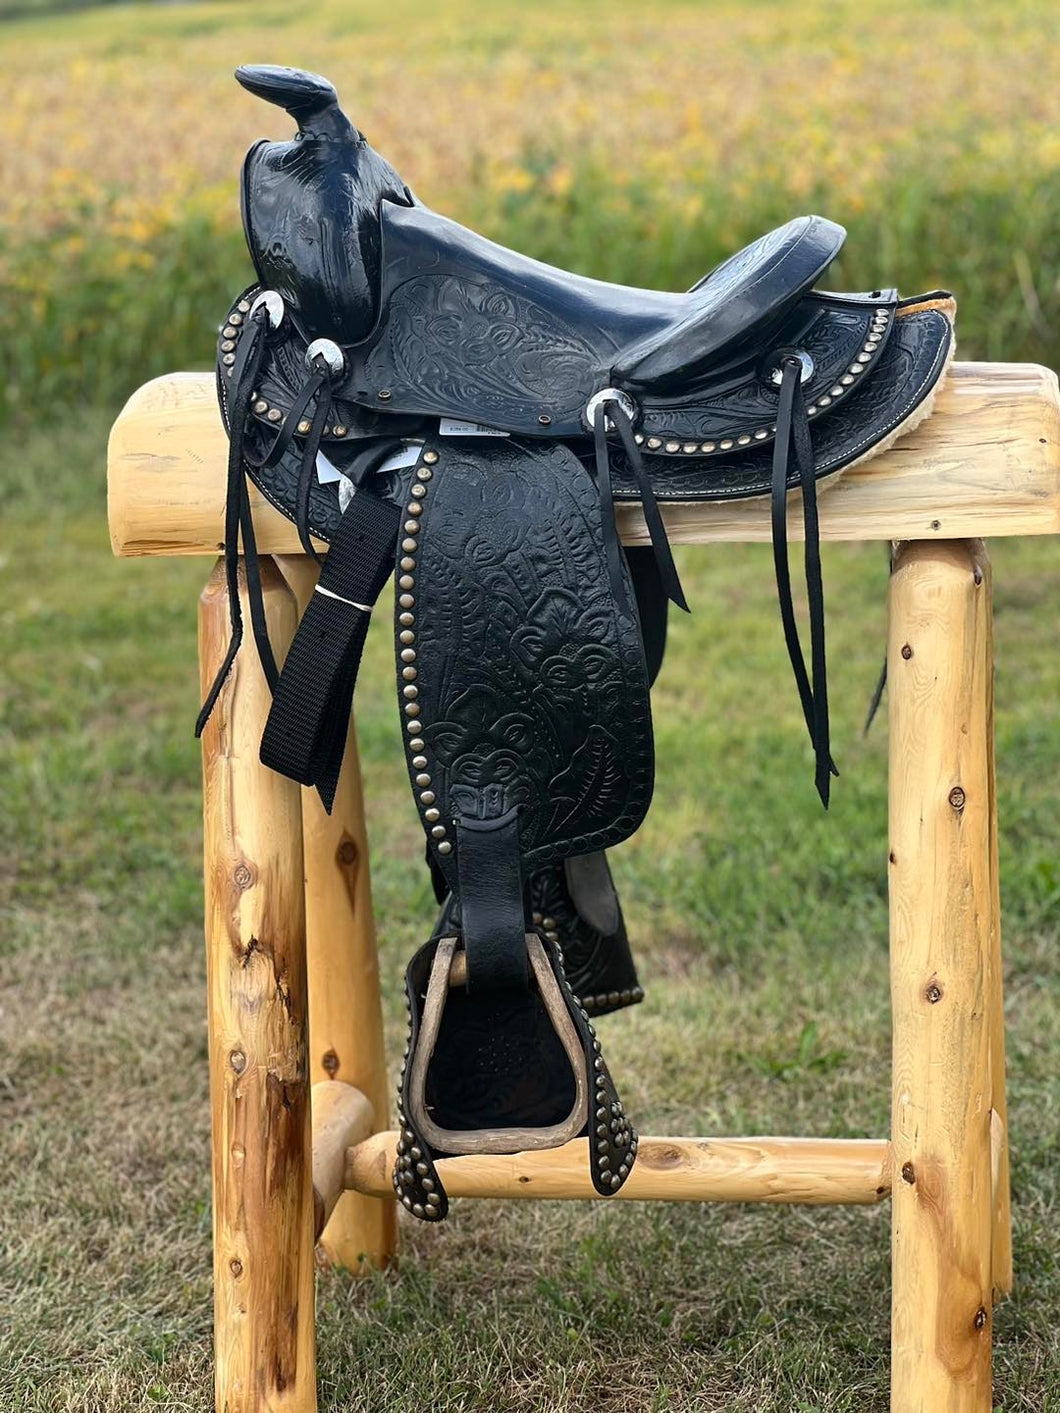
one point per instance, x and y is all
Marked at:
(256, 979)
(1001, 1240)
(941, 894)
(806, 1170)
(341, 1116)
(345, 1011)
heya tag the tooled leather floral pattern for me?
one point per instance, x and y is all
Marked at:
(904, 376)
(454, 346)
(833, 337)
(532, 683)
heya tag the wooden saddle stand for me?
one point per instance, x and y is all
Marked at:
(301, 1148)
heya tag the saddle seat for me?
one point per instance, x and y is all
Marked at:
(478, 309)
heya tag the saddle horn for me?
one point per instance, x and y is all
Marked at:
(311, 99)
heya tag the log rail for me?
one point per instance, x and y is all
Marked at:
(987, 462)
(813, 1171)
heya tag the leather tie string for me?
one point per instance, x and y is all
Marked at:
(793, 435)
(239, 522)
(612, 411)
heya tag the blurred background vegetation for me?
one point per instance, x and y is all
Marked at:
(643, 144)
(639, 143)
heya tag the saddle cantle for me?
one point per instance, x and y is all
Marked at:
(418, 396)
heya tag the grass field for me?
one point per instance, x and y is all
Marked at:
(760, 924)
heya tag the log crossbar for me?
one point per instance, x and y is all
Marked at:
(298, 1074)
(987, 462)
(812, 1171)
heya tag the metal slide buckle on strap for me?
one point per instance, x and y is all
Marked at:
(330, 594)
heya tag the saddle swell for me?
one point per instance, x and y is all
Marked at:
(432, 404)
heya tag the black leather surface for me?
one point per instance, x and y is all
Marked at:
(532, 687)
(437, 321)
(900, 372)
(466, 324)
(906, 373)
(309, 207)
(493, 925)
(575, 904)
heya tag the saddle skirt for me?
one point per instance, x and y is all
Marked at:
(429, 402)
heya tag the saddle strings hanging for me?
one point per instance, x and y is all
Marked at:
(793, 434)
(610, 410)
(239, 522)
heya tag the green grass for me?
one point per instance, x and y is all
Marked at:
(760, 928)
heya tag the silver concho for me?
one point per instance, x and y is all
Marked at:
(776, 365)
(273, 306)
(628, 406)
(331, 353)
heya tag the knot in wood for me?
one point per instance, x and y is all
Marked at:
(347, 853)
(908, 1172)
(980, 1318)
(238, 1060)
(934, 993)
(907, 651)
(243, 876)
(957, 798)
(330, 1061)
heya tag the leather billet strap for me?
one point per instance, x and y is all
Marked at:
(491, 902)
(305, 735)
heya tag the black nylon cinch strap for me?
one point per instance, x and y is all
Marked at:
(493, 920)
(305, 735)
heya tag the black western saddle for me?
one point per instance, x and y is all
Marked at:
(430, 403)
